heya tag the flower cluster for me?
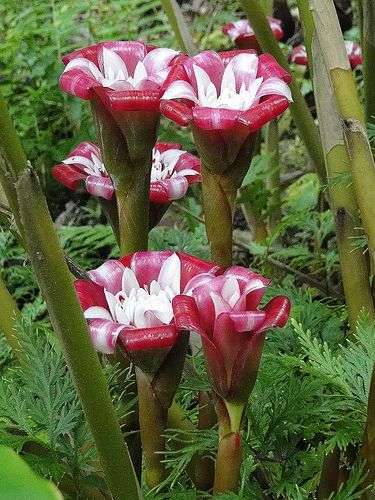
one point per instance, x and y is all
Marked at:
(354, 51)
(242, 34)
(144, 300)
(172, 171)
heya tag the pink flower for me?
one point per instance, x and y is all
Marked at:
(242, 34)
(222, 90)
(134, 301)
(225, 97)
(126, 75)
(354, 51)
(172, 172)
(84, 163)
(224, 311)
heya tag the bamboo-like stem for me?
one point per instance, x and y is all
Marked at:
(299, 109)
(273, 177)
(110, 210)
(368, 56)
(362, 163)
(9, 315)
(71, 329)
(308, 30)
(179, 26)
(353, 263)
(228, 464)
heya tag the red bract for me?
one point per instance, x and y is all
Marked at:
(224, 311)
(242, 34)
(134, 301)
(126, 75)
(172, 172)
(354, 51)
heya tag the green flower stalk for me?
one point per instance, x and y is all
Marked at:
(9, 315)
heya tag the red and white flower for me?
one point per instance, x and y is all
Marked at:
(219, 91)
(354, 51)
(172, 171)
(242, 34)
(224, 311)
(126, 74)
(134, 301)
(84, 163)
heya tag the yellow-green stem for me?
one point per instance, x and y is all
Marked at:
(336, 61)
(219, 196)
(368, 56)
(273, 176)
(308, 30)
(299, 109)
(70, 326)
(153, 422)
(353, 263)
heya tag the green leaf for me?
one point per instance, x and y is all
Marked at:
(18, 481)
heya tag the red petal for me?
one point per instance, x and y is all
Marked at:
(186, 315)
(100, 186)
(215, 118)
(109, 275)
(86, 149)
(191, 266)
(68, 175)
(137, 339)
(77, 82)
(227, 55)
(90, 53)
(104, 334)
(211, 63)
(129, 100)
(268, 67)
(264, 112)
(277, 311)
(168, 190)
(176, 111)
(90, 294)
(215, 367)
(164, 146)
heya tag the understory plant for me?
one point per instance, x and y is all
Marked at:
(146, 349)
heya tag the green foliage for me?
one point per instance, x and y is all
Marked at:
(17, 481)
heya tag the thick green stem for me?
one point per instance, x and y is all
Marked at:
(368, 56)
(273, 176)
(179, 26)
(228, 464)
(299, 109)
(336, 61)
(354, 264)
(153, 422)
(56, 285)
(219, 196)
(126, 141)
(110, 210)
(9, 315)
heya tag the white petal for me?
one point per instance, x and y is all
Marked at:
(154, 287)
(111, 301)
(97, 312)
(202, 78)
(170, 274)
(274, 86)
(228, 80)
(79, 160)
(129, 281)
(113, 64)
(230, 287)
(180, 90)
(219, 303)
(140, 72)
